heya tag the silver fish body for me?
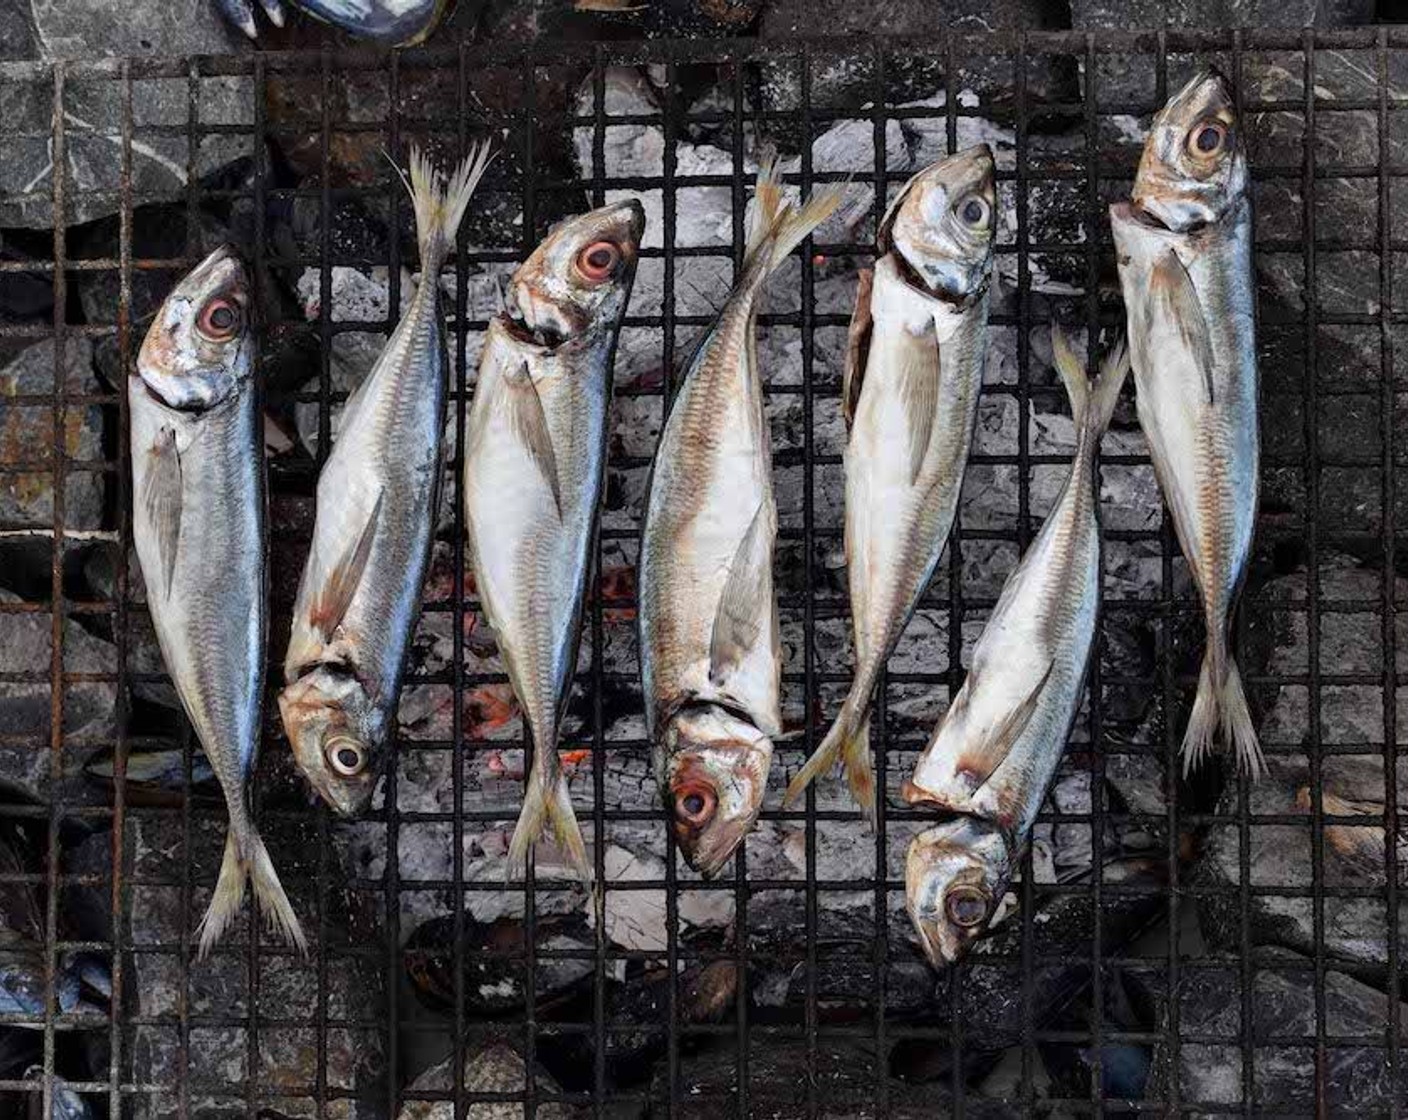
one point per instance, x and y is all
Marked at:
(378, 495)
(534, 468)
(394, 23)
(995, 752)
(1184, 249)
(914, 376)
(198, 523)
(710, 655)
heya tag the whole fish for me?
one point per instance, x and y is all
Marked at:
(395, 23)
(378, 495)
(914, 372)
(1184, 247)
(199, 524)
(995, 752)
(534, 465)
(710, 657)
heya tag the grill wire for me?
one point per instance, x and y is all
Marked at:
(243, 1039)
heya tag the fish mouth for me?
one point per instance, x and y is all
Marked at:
(544, 336)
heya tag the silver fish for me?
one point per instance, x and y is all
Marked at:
(914, 372)
(995, 752)
(1184, 247)
(535, 462)
(378, 494)
(198, 522)
(710, 658)
(395, 23)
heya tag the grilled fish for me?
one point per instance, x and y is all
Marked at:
(198, 522)
(534, 465)
(1184, 247)
(710, 658)
(378, 495)
(395, 23)
(914, 372)
(995, 752)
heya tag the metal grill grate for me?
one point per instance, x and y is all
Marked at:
(244, 1036)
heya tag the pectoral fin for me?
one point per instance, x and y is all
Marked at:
(1174, 301)
(531, 424)
(857, 347)
(161, 497)
(745, 606)
(918, 375)
(982, 757)
(335, 596)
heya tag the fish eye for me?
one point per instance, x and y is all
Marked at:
(219, 319)
(598, 261)
(346, 756)
(695, 804)
(966, 907)
(1207, 138)
(973, 210)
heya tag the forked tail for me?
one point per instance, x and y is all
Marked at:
(1092, 401)
(547, 800)
(247, 860)
(777, 227)
(440, 206)
(1221, 700)
(848, 742)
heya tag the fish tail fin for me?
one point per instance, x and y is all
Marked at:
(247, 860)
(777, 227)
(848, 742)
(1092, 402)
(548, 801)
(1221, 702)
(440, 206)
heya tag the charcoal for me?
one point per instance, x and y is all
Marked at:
(495, 980)
(1357, 1080)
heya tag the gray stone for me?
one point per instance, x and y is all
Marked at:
(26, 438)
(25, 708)
(288, 987)
(1357, 1080)
(161, 163)
(497, 1068)
(847, 81)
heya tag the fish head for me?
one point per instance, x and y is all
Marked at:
(1194, 167)
(955, 875)
(199, 348)
(941, 224)
(578, 280)
(713, 780)
(337, 735)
